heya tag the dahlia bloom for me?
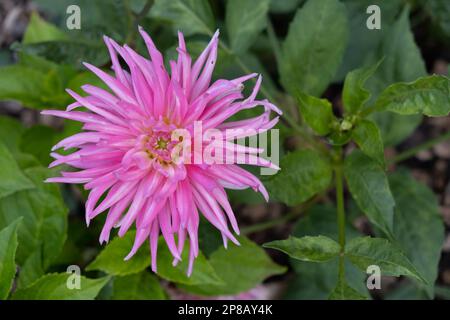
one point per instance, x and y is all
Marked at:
(125, 151)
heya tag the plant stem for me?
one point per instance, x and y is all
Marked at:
(339, 181)
(131, 37)
(413, 151)
(274, 41)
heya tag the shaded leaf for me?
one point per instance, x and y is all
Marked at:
(138, 286)
(318, 113)
(8, 247)
(368, 137)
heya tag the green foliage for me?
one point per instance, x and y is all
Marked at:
(368, 137)
(54, 286)
(369, 187)
(241, 268)
(111, 259)
(304, 174)
(314, 249)
(245, 19)
(318, 113)
(344, 292)
(366, 251)
(418, 226)
(8, 247)
(190, 16)
(427, 95)
(138, 286)
(306, 63)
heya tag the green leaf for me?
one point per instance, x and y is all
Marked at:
(54, 286)
(111, 259)
(244, 20)
(304, 173)
(39, 30)
(188, 16)
(428, 95)
(11, 177)
(38, 140)
(44, 217)
(370, 188)
(283, 6)
(240, 267)
(354, 94)
(344, 292)
(402, 63)
(366, 251)
(10, 132)
(203, 272)
(314, 46)
(314, 249)
(31, 270)
(8, 247)
(395, 127)
(139, 286)
(368, 137)
(316, 280)
(318, 113)
(418, 225)
(439, 11)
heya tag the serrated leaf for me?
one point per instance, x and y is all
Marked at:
(54, 286)
(244, 20)
(318, 113)
(308, 248)
(8, 247)
(44, 217)
(11, 177)
(188, 16)
(428, 95)
(39, 30)
(418, 225)
(241, 268)
(304, 173)
(354, 94)
(138, 286)
(317, 280)
(111, 258)
(368, 137)
(344, 292)
(366, 251)
(314, 46)
(369, 187)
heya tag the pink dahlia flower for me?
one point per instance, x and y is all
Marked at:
(125, 151)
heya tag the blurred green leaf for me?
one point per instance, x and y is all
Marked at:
(111, 259)
(418, 225)
(439, 11)
(240, 267)
(38, 141)
(138, 286)
(366, 251)
(8, 247)
(38, 30)
(283, 6)
(304, 173)
(314, 46)
(11, 178)
(31, 270)
(369, 187)
(428, 95)
(244, 20)
(187, 16)
(318, 113)
(394, 127)
(308, 248)
(54, 287)
(203, 272)
(344, 292)
(44, 217)
(368, 137)
(10, 132)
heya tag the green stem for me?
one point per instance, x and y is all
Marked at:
(413, 151)
(274, 41)
(339, 181)
(131, 37)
